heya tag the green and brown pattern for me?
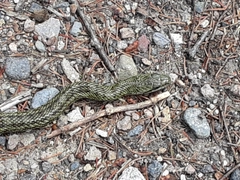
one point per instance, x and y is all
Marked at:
(40, 117)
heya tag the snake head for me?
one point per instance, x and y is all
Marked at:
(159, 81)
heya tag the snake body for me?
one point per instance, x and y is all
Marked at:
(42, 116)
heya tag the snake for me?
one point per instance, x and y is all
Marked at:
(15, 122)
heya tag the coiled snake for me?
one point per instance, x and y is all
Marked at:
(40, 117)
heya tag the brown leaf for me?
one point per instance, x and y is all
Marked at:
(218, 175)
(132, 47)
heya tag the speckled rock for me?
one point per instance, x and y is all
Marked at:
(17, 67)
(131, 173)
(43, 96)
(198, 124)
(126, 67)
(155, 169)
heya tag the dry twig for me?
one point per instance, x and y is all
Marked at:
(94, 40)
(152, 100)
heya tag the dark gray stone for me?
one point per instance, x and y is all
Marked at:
(155, 169)
(74, 166)
(47, 167)
(235, 175)
(2, 141)
(17, 67)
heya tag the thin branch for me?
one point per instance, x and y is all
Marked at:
(109, 111)
(229, 172)
(94, 40)
(193, 50)
(15, 100)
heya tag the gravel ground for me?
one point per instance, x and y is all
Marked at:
(193, 133)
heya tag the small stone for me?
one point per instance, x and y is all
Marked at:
(162, 150)
(176, 38)
(173, 77)
(87, 167)
(216, 112)
(70, 72)
(60, 45)
(205, 23)
(183, 177)
(122, 45)
(135, 116)
(126, 33)
(2, 169)
(25, 162)
(155, 169)
(125, 123)
(199, 7)
(48, 29)
(62, 5)
(17, 67)
(131, 173)
(211, 106)
(147, 62)
(75, 115)
(28, 177)
(74, 166)
(165, 173)
(26, 139)
(93, 154)
(2, 22)
(40, 46)
(43, 96)
(13, 47)
(29, 25)
(112, 155)
(207, 91)
(192, 103)
(127, 7)
(101, 133)
(235, 90)
(34, 7)
(2, 141)
(76, 28)
(161, 40)
(180, 83)
(71, 158)
(135, 131)
(197, 122)
(148, 113)
(126, 67)
(73, 8)
(166, 115)
(235, 175)
(47, 167)
(207, 169)
(199, 75)
(189, 169)
(143, 43)
(215, 101)
(12, 90)
(13, 141)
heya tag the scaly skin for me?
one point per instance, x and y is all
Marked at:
(42, 116)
